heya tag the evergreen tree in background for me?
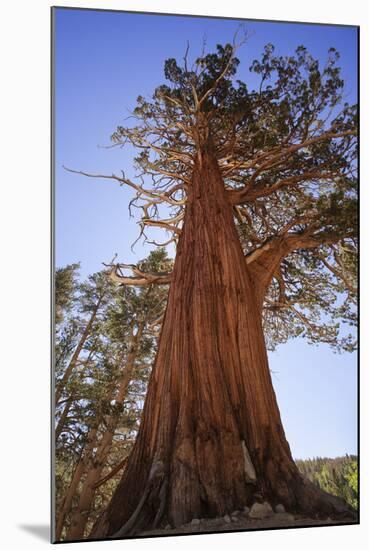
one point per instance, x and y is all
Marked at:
(100, 404)
(338, 476)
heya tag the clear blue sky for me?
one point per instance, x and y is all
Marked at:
(103, 61)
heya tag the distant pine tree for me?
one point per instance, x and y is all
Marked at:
(104, 351)
(338, 476)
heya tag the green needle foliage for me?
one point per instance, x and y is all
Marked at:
(338, 476)
(88, 401)
(287, 150)
(65, 290)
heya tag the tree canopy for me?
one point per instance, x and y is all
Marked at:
(287, 152)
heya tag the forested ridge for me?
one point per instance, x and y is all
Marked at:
(338, 476)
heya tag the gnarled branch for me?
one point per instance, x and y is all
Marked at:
(140, 278)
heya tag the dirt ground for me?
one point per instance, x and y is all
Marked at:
(219, 525)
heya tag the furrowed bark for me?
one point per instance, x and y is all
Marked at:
(210, 401)
(263, 263)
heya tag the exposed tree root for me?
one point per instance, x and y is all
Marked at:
(153, 497)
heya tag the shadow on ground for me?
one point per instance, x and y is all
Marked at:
(40, 531)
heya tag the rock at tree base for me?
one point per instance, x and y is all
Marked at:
(279, 509)
(260, 511)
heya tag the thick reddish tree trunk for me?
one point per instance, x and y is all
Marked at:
(211, 434)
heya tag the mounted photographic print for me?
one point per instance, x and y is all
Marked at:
(205, 275)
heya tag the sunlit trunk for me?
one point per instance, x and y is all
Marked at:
(211, 434)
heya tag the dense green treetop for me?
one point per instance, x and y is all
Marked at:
(286, 149)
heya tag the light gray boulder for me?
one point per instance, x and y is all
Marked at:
(195, 521)
(227, 519)
(279, 509)
(261, 510)
(268, 507)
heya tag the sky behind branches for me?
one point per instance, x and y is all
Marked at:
(103, 61)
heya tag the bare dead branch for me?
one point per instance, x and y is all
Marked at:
(146, 192)
(140, 278)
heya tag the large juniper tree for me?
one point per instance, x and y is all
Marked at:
(259, 194)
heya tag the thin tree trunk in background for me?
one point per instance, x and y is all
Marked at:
(61, 384)
(80, 515)
(211, 434)
(63, 418)
(113, 472)
(71, 491)
(86, 456)
(68, 405)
